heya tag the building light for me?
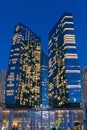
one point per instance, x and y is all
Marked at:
(71, 56)
(66, 17)
(73, 86)
(72, 71)
(66, 29)
(10, 85)
(70, 47)
(67, 23)
(69, 39)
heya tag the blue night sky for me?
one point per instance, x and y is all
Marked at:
(40, 16)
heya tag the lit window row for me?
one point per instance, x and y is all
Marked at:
(66, 17)
(50, 45)
(12, 68)
(67, 23)
(50, 42)
(51, 86)
(11, 76)
(15, 59)
(73, 86)
(17, 35)
(55, 38)
(71, 56)
(75, 66)
(10, 91)
(69, 41)
(17, 49)
(12, 50)
(72, 71)
(16, 38)
(16, 54)
(65, 29)
(50, 72)
(10, 79)
(38, 48)
(69, 36)
(10, 85)
(10, 94)
(17, 28)
(70, 47)
(50, 63)
(53, 64)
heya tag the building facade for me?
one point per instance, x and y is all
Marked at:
(44, 119)
(2, 87)
(64, 68)
(44, 79)
(23, 75)
(84, 85)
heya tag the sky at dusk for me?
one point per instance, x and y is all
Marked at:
(40, 16)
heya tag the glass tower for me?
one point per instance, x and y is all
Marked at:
(23, 74)
(44, 79)
(64, 68)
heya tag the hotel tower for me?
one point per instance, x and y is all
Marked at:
(23, 74)
(64, 68)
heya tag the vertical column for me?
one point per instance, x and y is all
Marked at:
(86, 116)
(1, 118)
(71, 120)
(23, 123)
(65, 124)
(11, 116)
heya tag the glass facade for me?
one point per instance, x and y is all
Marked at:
(64, 68)
(44, 79)
(23, 74)
(43, 119)
(84, 85)
(2, 87)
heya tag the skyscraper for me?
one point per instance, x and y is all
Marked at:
(23, 74)
(2, 86)
(44, 79)
(64, 68)
(84, 85)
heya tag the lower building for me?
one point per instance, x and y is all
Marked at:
(43, 118)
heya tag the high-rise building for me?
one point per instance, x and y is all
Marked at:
(44, 79)
(64, 68)
(84, 85)
(23, 75)
(2, 87)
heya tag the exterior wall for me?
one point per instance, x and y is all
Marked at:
(64, 68)
(23, 75)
